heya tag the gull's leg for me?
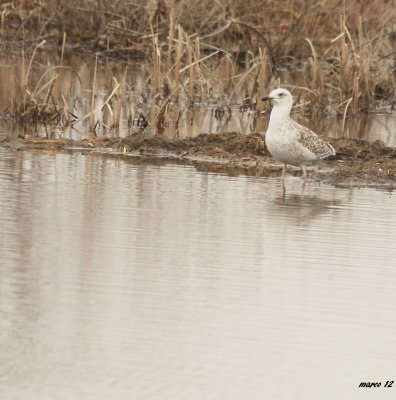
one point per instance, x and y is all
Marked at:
(304, 170)
(284, 172)
(283, 180)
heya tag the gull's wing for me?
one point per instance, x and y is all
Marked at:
(311, 141)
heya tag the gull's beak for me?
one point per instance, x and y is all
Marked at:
(266, 98)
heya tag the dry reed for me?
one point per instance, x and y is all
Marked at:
(337, 56)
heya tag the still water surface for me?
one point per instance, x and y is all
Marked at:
(137, 280)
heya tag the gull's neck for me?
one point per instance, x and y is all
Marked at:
(279, 114)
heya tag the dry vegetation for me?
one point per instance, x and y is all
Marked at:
(338, 56)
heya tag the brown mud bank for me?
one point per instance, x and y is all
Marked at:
(362, 163)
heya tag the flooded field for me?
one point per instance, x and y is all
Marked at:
(140, 113)
(213, 129)
(153, 280)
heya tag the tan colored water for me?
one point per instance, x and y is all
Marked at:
(155, 281)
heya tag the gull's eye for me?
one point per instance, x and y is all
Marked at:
(281, 94)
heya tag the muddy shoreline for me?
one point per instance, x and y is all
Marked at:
(362, 164)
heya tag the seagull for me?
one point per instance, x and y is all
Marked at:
(289, 142)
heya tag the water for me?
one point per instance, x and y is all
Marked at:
(140, 280)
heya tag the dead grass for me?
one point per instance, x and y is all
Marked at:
(337, 57)
(34, 100)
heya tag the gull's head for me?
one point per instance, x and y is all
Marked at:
(280, 98)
